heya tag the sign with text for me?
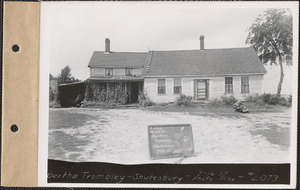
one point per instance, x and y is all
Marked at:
(170, 141)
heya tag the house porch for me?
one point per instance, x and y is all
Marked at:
(132, 88)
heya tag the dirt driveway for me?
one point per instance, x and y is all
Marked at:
(120, 136)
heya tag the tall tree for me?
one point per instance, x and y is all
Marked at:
(65, 76)
(271, 35)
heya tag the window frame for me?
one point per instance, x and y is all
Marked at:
(176, 86)
(228, 86)
(112, 71)
(163, 87)
(130, 71)
(245, 88)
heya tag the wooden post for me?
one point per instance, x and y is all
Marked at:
(195, 89)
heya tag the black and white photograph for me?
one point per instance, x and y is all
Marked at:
(172, 83)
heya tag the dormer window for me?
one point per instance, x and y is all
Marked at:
(108, 72)
(128, 72)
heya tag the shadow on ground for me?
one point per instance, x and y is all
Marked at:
(275, 135)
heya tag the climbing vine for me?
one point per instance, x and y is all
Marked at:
(100, 93)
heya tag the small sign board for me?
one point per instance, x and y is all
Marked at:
(170, 141)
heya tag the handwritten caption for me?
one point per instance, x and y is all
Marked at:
(166, 141)
(200, 177)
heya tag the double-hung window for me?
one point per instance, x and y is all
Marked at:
(245, 84)
(177, 85)
(108, 72)
(161, 88)
(228, 85)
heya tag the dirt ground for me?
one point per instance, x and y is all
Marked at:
(121, 136)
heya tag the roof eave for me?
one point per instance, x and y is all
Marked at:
(212, 75)
(116, 67)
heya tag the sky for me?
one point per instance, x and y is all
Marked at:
(72, 31)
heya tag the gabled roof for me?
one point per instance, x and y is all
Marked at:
(118, 59)
(209, 62)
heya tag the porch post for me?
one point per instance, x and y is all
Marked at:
(195, 89)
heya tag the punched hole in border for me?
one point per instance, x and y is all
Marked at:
(14, 128)
(15, 48)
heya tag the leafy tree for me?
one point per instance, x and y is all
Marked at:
(65, 76)
(271, 35)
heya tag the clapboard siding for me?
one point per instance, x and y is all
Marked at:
(256, 84)
(151, 85)
(138, 72)
(97, 71)
(216, 87)
(236, 85)
(187, 86)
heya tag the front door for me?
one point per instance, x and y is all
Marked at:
(134, 92)
(201, 89)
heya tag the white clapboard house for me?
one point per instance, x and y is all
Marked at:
(163, 75)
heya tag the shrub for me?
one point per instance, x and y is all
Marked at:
(283, 102)
(228, 100)
(222, 101)
(259, 102)
(183, 100)
(253, 98)
(290, 98)
(145, 101)
(141, 98)
(266, 97)
(274, 100)
(148, 102)
(269, 99)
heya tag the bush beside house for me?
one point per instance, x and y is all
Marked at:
(183, 100)
(222, 101)
(269, 99)
(145, 101)
(260, 100)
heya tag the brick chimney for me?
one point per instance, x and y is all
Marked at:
(107, 45)
(201, 42)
